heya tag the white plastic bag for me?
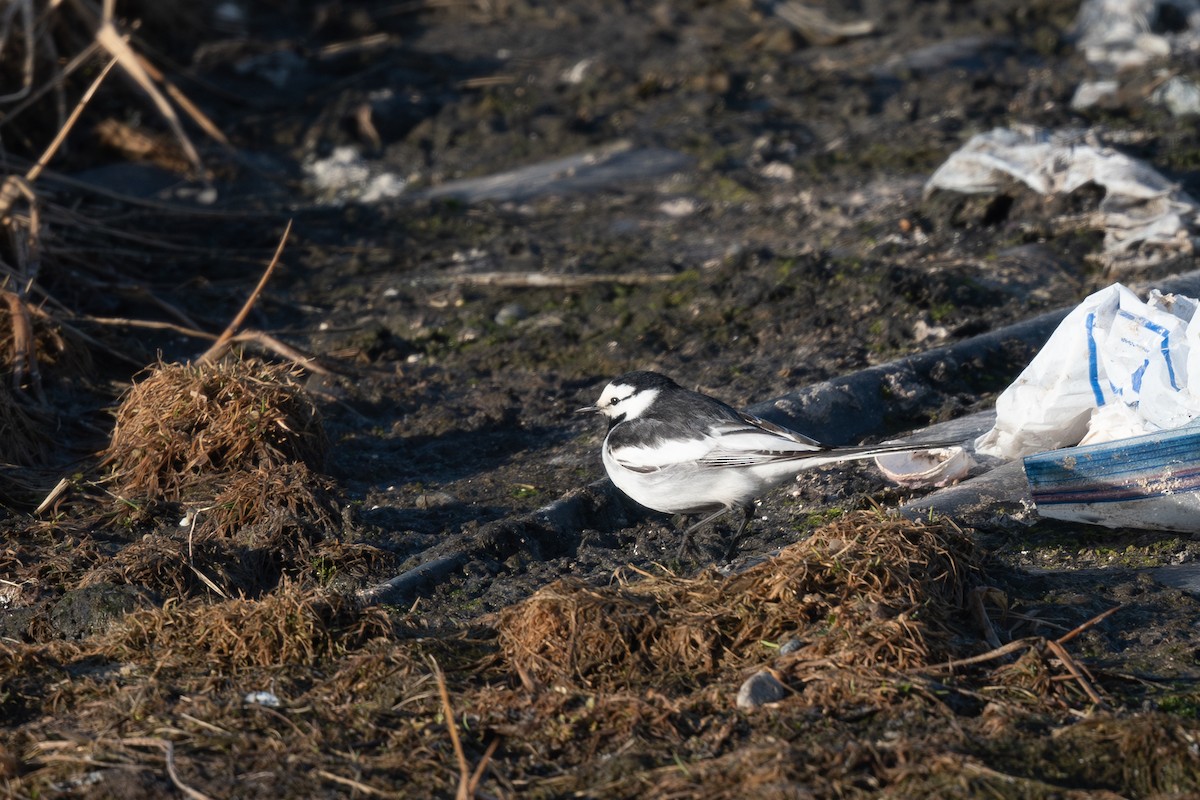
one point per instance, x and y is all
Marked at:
(1115, 367)
(1146, 217)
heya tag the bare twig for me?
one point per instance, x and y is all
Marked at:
(370, 791)
(24, 346)
(198, 116)
(464, 766)
(1076, 673)
(168, 747)
(1090, 623)
(53, 496)
(991, 655)
(110, 39)
(151, 324)
(978, 597)
(222, 343)
(36, 169)
(481, 767)
(296, 356)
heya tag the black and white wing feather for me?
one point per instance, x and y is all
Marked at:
(748, 441)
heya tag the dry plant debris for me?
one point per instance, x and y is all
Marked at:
(289, 626)
(262, 527)
(861, 592)
(183, 423)
(617, 692)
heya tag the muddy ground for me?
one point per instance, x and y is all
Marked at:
(762, 228)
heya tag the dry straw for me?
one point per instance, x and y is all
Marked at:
(289, 626)
(183, 423)
(866, 591)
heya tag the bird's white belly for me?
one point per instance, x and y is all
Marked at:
(686, 488)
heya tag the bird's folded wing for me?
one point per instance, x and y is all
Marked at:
(744, 441)
(753, 442)
(662, 453)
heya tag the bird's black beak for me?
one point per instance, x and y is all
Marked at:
(587, 410)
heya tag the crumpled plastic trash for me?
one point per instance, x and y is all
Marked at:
(1116, 367)
(1146, 218)
(1148, 482)
(346, 176)
(1126, 34)
(926, 468)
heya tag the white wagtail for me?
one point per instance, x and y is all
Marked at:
(682, 452)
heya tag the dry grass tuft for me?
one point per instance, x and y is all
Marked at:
(288, 627)
(264, 505)
(261, 527)
(865, 591)
(185, 422)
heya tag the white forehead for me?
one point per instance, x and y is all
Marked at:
(615, 390)
(630, 402)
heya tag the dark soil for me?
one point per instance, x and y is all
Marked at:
(761, 227)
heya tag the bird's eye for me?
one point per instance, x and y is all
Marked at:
(614, 401)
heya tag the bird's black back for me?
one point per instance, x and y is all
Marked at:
(675, 414)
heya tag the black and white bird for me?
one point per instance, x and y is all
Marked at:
(682, 452)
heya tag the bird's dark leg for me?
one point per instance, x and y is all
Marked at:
(747, 513)
(687, 534)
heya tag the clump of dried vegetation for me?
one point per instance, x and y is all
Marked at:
(854, 595)
(234, 448)
(622, 691)
(186, 422)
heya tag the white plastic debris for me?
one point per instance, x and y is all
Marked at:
(575, 75)
(1115, 367)
(346, 176)
(1126, 34)
(1179, 95)
(1094, 93)
(935, 468)
(1146, 218)
(260, 698)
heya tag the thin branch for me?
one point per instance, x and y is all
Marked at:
(1069, 663)
(464, 766)
(168, 747)
(222, 343)
(1090, 623)
(991, 655)
(36, 169)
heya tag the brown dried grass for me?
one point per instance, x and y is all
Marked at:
(261, 504)
(291, 626)
(865, 591)
(184, 422)
(364, 706)
(262, 526)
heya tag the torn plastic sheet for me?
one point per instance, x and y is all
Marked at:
(1149, 481)
(1115, 367)
(1146, 218)
(1116, 379)
(1126, 34)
